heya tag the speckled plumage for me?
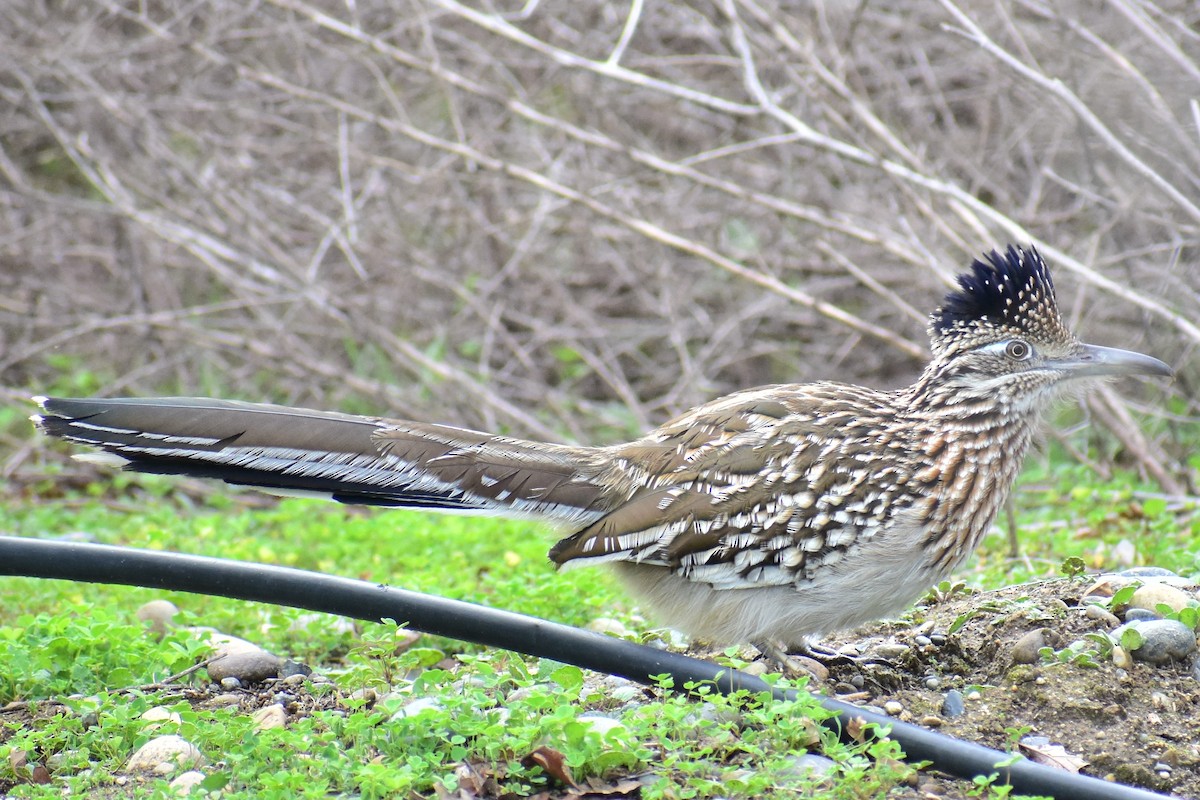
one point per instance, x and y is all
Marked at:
(773, 514)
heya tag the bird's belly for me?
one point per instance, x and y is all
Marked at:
(876, 579)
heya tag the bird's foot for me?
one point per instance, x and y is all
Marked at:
(793, 665)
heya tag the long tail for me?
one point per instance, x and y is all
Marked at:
(351, 459)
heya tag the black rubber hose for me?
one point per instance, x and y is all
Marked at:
(94, 563)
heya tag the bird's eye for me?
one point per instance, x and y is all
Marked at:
(1017, 350)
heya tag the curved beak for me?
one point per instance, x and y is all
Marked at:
(1093, 361)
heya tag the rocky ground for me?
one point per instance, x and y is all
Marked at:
(1047, 668)
(1035, 664)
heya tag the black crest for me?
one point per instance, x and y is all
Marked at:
(1011, 290)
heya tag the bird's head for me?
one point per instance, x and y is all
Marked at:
(1001, 333)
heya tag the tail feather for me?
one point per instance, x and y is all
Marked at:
(351, 459)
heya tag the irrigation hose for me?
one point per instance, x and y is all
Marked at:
(314, 591)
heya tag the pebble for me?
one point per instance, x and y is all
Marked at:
(952, 704)
(184, 783)
(223, 644)
(1163, 640)
(1140, 614)
(921, 640)
(164, 754)
(891, 650)
(599, 723)
(230, 683)
(267, 717)
(809, 765)
(893, 708)
(290, 668)
(1101, 614)
(1196, 669)
(1147, 572)
(223, 700)
(294, 680)
(158, 615)
(1150, 595)
(1026, 650)
(938, 639)
(247, 666)
(931, 721)
(160, 714)
(366, 694)
(933, 682)
(609, 627)
(422, 705)
(1121, 657)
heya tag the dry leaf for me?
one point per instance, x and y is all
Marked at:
(552, 762)
(1053, 755)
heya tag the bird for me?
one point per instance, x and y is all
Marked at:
(770, 516)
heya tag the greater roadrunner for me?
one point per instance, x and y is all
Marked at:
(769, 515)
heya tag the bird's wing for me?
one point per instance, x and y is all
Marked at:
(761, 487)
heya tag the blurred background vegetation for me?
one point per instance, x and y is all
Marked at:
(573, 220)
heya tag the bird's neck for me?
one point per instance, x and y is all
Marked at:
(973, 440)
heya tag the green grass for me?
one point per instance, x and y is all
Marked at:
(82, 644)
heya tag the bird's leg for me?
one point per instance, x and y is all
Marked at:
(776, 652)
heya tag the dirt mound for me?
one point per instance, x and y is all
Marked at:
(1130, 721)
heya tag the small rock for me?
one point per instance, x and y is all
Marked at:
(757, 668)
(158, 615)
(184, 783)
(223, 644)
(609, 627)
(222, 700)
(1150, 595)
(230, 683)
(921, 640)
(599, 723)
(1101, 614)
(1027, 648)
(841, 687)
(893, 708)
(1163, 640)
(933, 682)
(164, 754)
(294, 680)
(893, 650)
(289, 668)
(160, 714)
(808, 765)
(952, 704)
(1140, 614)
(937, 639)
(1162, 702)
(247, 666)
(366, 694)
(1121, 657)
(1147, 572)
(267, 717)
(974, 695)
(931, 721)
(422, 705)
